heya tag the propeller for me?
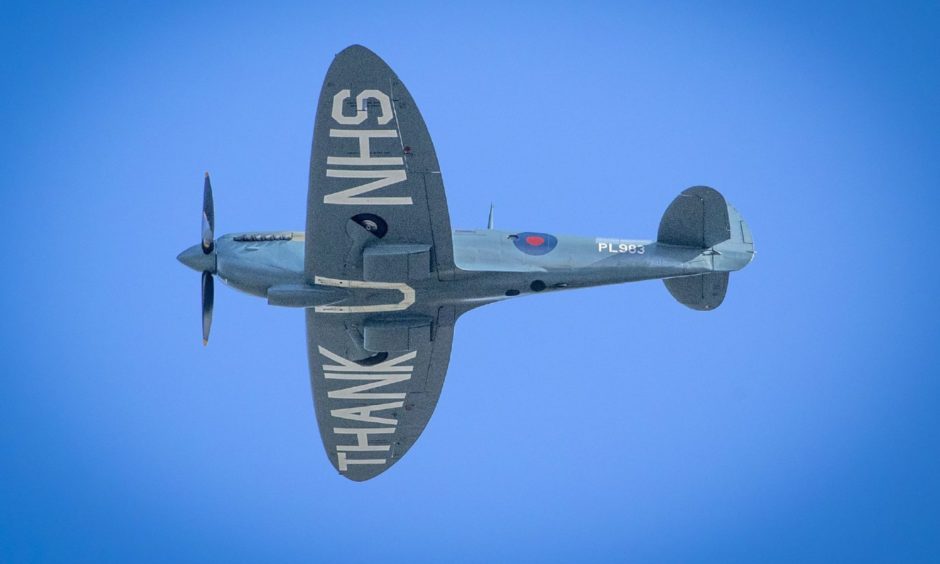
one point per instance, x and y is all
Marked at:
(208, 218)
(202, 258)
(208, 245)
(208, 296)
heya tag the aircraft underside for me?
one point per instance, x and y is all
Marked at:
(382, 278)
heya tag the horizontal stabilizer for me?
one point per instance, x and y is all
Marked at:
(702, 292)
(698, 217)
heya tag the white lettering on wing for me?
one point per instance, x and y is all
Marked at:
(370, 386)
(407, 295)
(365, 157)
(362, 111)
(382, 178)
(377, 179)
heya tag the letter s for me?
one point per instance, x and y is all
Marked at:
(361, 112)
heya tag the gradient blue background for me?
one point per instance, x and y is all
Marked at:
(798, 422)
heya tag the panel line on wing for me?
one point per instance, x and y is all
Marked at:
(391, 95)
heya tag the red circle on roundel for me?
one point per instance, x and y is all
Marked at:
(535, 240)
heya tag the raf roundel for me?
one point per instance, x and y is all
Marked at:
(535, 243)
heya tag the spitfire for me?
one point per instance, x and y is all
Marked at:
(382, 278)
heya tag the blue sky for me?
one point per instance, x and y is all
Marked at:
(798, 422)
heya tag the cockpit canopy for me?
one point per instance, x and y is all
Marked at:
(255, 237)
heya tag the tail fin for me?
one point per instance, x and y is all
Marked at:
(701, 218)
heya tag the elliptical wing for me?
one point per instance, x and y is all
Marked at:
(372, 407)
(373, 171)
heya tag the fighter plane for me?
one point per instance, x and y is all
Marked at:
(383, 279)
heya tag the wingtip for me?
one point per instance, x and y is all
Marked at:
(357, 50)
(207, 174)
(205, 342)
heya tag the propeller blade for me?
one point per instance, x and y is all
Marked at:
(208, 296)
(208, 218)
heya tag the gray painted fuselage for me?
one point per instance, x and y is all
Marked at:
(490, 267)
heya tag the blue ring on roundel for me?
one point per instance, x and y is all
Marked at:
(535, 243)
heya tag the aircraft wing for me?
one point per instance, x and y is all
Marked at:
(374, 174)
(370, 411)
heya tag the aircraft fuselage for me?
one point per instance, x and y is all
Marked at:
(492, 265)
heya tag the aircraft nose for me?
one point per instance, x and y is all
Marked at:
(194, 258)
